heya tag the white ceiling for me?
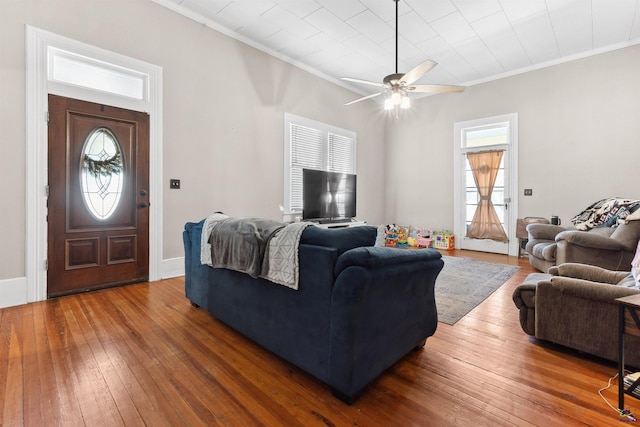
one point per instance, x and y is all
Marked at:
(473, 41)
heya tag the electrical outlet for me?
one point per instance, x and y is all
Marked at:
(528, 192)
(174, 184)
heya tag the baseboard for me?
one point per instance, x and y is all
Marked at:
(172, 267)
(13, 292)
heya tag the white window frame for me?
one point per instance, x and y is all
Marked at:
(327, 132)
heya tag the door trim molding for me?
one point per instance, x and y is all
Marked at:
(38, 87)
(512, 213)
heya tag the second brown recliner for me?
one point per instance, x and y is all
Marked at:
(606, 247)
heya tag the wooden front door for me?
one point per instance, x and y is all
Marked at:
(98, 203)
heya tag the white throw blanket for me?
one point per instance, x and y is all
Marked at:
(284, 267)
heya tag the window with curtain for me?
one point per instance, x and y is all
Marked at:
(486, 224)
(313, 145)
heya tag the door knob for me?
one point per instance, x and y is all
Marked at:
(144, 204)
(143, 192)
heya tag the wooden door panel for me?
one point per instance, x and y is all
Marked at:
(121, 249)
(88, 249)
(82, 253)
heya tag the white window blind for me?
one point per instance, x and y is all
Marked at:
(313, 145)
(341, 154)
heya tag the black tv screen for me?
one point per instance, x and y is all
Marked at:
(328, 195)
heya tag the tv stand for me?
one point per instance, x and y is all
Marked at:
(333, 221)
(340, 223)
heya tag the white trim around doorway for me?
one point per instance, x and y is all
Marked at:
(39, 86)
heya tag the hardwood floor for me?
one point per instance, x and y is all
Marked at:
(142, 355)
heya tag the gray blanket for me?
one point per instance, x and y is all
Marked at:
(241, 244)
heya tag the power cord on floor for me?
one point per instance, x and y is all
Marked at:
(624, 413)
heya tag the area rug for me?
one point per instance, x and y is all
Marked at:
(464, 283)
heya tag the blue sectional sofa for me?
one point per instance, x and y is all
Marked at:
(357, 311)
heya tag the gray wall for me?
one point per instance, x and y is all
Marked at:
(578, 140)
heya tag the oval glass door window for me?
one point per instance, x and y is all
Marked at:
(101, 174)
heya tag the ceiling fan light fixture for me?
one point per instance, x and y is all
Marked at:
(405, 104)
(397, 86)
(396, 98)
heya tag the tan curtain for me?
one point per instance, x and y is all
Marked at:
(485, 223)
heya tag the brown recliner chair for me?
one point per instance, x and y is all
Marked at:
(574, 305)
(606, 247)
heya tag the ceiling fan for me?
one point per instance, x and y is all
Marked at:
(397, 86)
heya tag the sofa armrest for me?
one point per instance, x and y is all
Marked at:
(382, 307)
(377, 256)
(591, 273)
(559, 287)
(524, 298)
(589, 240)
(544, 231)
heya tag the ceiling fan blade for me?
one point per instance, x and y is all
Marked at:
(435, 88)
(418, 71)
(366, 97)
(366, 82)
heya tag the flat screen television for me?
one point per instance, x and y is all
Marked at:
(328, 196)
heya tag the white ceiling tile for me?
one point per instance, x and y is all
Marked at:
(635, 29)
(537, 38)
(496, 33)
(353, 63)
(370, 25)
(330, 44)
(611, 25)
(453, 28)
(472, 10)
(518, 10)
(409, 53)
(254, 7)
(458, 67)
(282, 18)
(434, 48)
(365, 46)
(385, 9)
(321, 57)
(236, 14)
(298, 48)
(300, 8)
(343, 9)
(258, 29)
(438, 75)
(476, 53)
(415, 28)
(330, 24)
(430, 10)
(572, 25)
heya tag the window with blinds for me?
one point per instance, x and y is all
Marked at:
(313, 145)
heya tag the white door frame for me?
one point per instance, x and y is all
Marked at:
(511, 184)
(39, 85)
